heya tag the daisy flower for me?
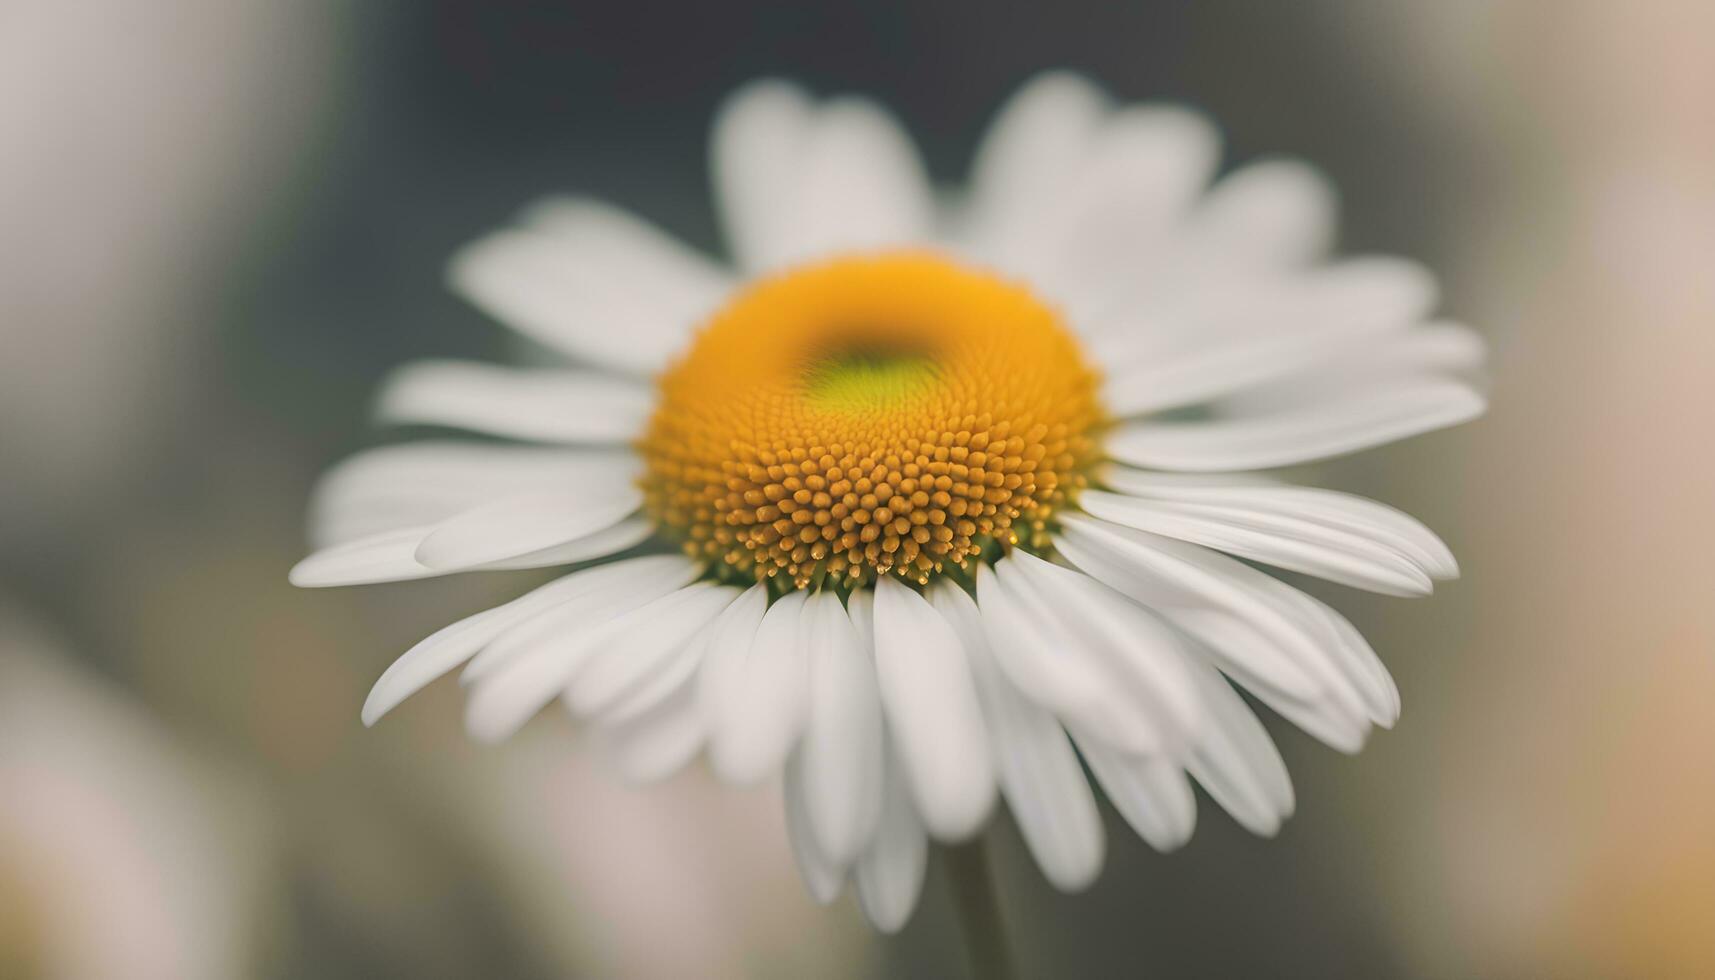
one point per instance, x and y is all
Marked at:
(926, 501)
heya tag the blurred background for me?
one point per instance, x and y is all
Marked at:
(221, 222)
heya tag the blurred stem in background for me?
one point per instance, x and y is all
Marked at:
(971, 876)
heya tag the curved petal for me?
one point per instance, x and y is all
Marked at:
(1435, 348)
(647, 645)
(863, 186)
(1351, 655)
(669, 680)
(729, 640)
(534, 660)
(757, 151)
(890, 874)
(1028, 163)
(1240, 338)
(1274, 539)
(797, 182)
(609, 591)
(823, 874)
(860, 606)
(422, 483)
(1237, 762)
(453, 645)
(1150, 792)
(1267, 214)
(391, 556)
(656, 743)
(1037, 769)
(1271, 654)
(756, 711)
(525, 523)
(1345, 421)
(932, 710)
(841, 752)
(1121, 208)
(548, 405)
(1052, 665)
(598, 544)
(385, 556)
(1249, 622)
(1260, 499)
(592, 281)
(1143, 656)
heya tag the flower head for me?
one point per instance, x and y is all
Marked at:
(962, 492)
(886, 413)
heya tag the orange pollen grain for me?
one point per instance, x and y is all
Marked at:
(891, 413)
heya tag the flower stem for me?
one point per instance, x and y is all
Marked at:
(978, 906)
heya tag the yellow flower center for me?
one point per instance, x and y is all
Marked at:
(892, 413)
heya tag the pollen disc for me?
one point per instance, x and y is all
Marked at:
(880, 414)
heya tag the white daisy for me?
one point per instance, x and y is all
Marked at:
(961, 488)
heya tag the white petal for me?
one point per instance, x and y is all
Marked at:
(1174, 585)
(1270, 213)
(598, 544)
(1052, 665)
(1238, 763)
(755, 706)
(1379, 362)
(862, 186)
(1028, 162)
(1146, 670)
(454, 644)
(549, 405)
(471, 467)
(671, 679)
(422, 483)
(1434, 348)
(1274, 539)
(1034, 761)
(890, 874)
(932, 711)
(1251, 624)
(1325, 721)
(1350, 652)
(729, 639)
(433, 656)
(1371, 372)
(386, 556)
(1196, 333)
(1244, 337)
(648, 642)
(523, 523)
(593, 282)
(860, 606)
(391, 556)
(1205, 372)
(679, 277)
(822, 873)
(1150, 792)
(606, 591)
(1363, 291)
(1122, 205)
(760, 138)
(797, 182)
(504, 697)
(1344, 422)
(841, 753)
(656, 743)
(1262, 498)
